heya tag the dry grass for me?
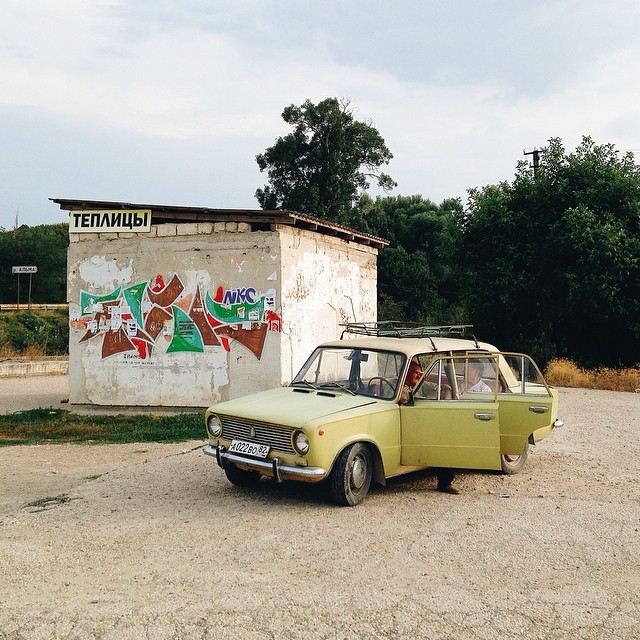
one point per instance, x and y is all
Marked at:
(32, 352)
(564, 373)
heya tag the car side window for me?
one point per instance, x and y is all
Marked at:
(434, 385)
(478, 374)
(470, 377)
(521, 375)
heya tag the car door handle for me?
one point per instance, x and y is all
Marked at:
(536, 408)
(484, 416)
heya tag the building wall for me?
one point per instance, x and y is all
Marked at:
(194, 313)
(326, 281)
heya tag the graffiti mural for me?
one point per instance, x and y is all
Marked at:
(155, 317)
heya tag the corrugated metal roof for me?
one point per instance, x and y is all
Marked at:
(162, 214)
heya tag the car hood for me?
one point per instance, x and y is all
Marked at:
(296, 406)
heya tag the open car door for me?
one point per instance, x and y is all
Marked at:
(528, 406)
(448, 424)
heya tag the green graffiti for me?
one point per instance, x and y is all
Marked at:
(235, 313)
(186, 336)
(88, 300)
(133, 297)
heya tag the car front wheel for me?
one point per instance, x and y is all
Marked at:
(513, 464)
(350, 477)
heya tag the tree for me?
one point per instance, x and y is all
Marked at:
(43, 246)
(552, 261)
(417, 272)
(321, 166)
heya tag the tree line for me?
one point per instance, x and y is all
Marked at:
(43, 246)
(548, 263)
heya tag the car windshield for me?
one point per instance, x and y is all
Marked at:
(357, 371)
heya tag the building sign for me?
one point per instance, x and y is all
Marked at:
(110, 220)
(24, 269)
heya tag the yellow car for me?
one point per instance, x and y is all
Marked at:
(386, 400)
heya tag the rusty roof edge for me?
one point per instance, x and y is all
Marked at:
(281, 216)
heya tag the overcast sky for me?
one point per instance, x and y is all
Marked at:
(169, 101)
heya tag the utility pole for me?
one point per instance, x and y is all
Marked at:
(536, 160)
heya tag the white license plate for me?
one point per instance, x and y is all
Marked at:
(249, 448)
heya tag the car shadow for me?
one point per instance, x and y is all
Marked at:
(267, 490)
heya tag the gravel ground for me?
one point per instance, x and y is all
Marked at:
(153, 542)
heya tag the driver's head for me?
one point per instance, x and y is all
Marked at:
(415, 371)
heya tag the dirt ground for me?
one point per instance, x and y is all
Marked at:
(151, 541)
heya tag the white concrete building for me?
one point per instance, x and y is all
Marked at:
(181, 306)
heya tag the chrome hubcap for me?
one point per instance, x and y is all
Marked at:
(358, 473)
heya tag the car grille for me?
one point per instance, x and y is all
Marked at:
(274, 436)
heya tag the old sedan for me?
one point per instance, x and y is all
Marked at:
(386, 400)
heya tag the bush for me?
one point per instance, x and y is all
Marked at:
(564, 373)
(29, 333)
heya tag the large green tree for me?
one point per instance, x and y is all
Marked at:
(552, 260)
(417, 272)
(324, 163)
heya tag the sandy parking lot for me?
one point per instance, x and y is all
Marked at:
(155, 543)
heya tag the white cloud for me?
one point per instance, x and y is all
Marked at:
(456, 89)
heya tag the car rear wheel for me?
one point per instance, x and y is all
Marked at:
(350, 477)
(513, 464)
(240, 477)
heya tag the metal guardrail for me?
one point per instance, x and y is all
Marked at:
(33, 306)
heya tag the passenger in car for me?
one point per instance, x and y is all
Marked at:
(475, 383)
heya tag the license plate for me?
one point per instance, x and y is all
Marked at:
(249, 448)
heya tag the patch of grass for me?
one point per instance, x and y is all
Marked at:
(39, 426)
(564, 373)
(45, 503)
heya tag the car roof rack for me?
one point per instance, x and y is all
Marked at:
(396, 329)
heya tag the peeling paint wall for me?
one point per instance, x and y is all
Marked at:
(198, 312)
(326, 282)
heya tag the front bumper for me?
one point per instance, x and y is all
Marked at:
(273, 468)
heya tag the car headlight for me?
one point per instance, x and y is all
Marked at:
(214, 426)
(300, 442)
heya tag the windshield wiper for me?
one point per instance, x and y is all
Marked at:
(305, 382)
(339, 385)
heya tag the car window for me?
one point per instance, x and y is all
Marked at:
(359, 371)
(468, 377)
(435, 384)
(480, 376)
(521, 375)
(477, 375)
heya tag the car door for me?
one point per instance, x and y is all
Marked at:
(445, 427)
(526, 403)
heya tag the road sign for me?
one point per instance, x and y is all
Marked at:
(24, 269)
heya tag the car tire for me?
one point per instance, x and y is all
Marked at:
(350, 478)
(514, 464)
(240, 477)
